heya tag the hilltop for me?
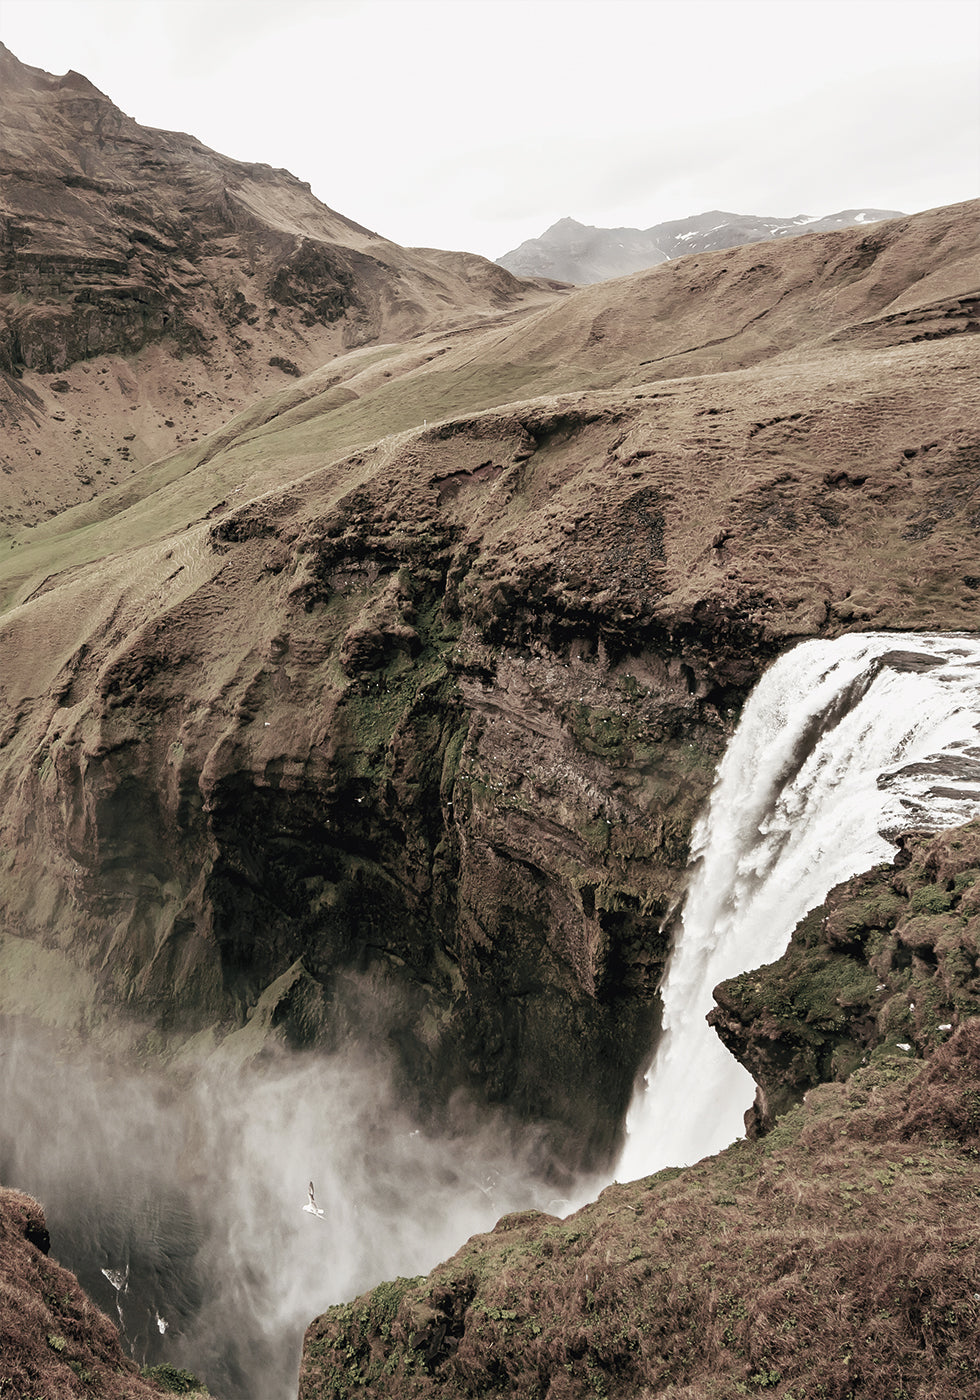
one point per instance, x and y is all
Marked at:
(149, 287)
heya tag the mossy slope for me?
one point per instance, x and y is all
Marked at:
(890, 963)
(837, 1257)
(54, 1343)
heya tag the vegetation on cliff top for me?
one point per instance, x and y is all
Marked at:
(837, 1257)
(833, 1257)
(891, 962)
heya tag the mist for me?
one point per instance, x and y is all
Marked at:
(177, 1195)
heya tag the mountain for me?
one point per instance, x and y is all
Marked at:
(579, 253)
(150, 286)
(375, 716)
(424, 663)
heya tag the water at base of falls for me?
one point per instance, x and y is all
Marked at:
(180, 1197)
(841, 744)
(185, 1202)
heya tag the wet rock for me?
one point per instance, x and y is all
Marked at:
(890, 958)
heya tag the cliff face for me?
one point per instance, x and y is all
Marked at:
(149, 287)
(386, 765)
(442, 708)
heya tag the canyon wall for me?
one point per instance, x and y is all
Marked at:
(368, 695)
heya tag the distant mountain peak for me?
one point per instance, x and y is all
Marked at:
(573, 252)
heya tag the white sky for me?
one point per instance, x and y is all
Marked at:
(477, 123)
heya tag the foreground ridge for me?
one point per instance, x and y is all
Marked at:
(834, 1256)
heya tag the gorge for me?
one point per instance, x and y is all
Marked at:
(182, 1193)
(355, 727)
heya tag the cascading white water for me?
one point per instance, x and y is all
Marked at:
(841, 744)
(186, 1200)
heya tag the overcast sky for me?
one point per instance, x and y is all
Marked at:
(477, 123)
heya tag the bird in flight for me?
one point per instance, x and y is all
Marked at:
(311, 1206)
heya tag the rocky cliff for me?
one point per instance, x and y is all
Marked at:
(53, 1342)
(891, 960)
(442, 708)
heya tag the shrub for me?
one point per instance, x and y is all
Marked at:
(177, 1381)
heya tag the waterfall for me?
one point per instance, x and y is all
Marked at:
(841, 745)
(180, 1196)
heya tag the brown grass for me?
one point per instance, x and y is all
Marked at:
(835, 1259)
(54, 1343)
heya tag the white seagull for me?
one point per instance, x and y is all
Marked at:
(311, 1206)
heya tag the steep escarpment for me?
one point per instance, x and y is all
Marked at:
(149, 287)
(442, 708)
(835, 1256)
(381, 768)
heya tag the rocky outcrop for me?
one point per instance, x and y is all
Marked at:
(397, 763)
(890, 963)
(53, 1341)
(768, 1268)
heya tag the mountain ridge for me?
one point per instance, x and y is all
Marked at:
(582, 254)
(204, 280)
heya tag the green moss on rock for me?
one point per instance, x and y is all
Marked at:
(891, 958)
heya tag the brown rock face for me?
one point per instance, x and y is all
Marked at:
(382, 767)
(421, 665)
